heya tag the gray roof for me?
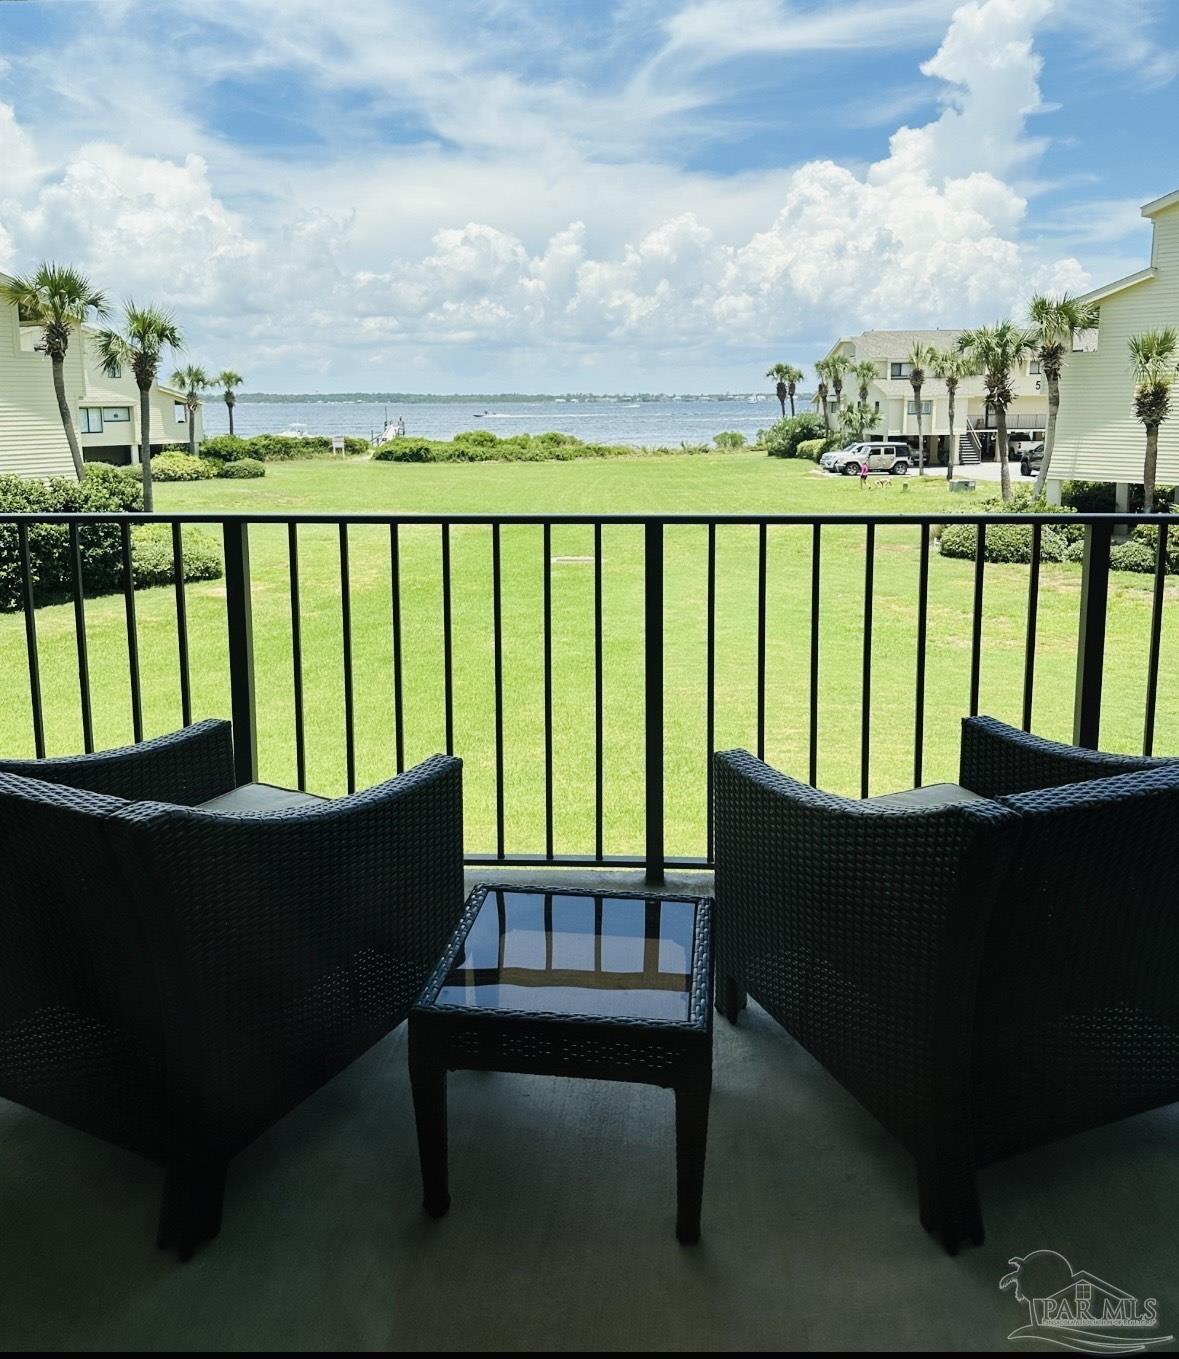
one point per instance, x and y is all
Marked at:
(895, 344)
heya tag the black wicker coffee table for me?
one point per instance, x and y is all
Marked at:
(611, 986)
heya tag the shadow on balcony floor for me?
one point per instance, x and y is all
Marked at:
(560, 1235)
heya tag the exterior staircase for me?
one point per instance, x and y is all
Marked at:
(969, 446)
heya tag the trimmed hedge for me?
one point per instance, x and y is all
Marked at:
(481, 445)
(277, 447)
(181, 467)
(783, 437)
(241, 469)
(1011, 543)
(815, 448)
(152, 562)
(104, 489)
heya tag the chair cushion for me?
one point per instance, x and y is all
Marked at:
(260, 797)
(931, 795)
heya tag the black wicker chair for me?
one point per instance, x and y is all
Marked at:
(984, 975)
(176, 979)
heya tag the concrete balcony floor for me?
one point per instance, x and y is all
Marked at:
(561, 1231)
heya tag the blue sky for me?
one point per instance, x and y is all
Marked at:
(542, 196)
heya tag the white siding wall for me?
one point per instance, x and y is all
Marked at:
(1098, 438)
(32, 441)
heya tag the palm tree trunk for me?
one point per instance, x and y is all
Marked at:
(192, 431)
(1001, 446)
(950, 453)
(826, 417)
(792, 405)
(229, 407)
(1049, 434)
(67, 420)
(145, 444)
(1150, 468)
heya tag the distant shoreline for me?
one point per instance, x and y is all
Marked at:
(474, 398)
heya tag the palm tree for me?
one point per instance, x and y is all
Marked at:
(193, 381)
(821, 371)
(1153, 356)
(921, 357)
(227, 380)
(855, 421)
(147, 332)
(57, 298)
(864, 373)
(952, 366)
(838, 367)
(995, 351)
(788, 377)
(1055, 322)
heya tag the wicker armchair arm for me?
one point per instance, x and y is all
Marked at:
(288, 942)
(998, 760)
(859, 928)
(184, 767)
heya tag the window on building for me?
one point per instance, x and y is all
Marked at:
(90, 420)
(1034, 368)
(114, 415)
(181, 412)
(926, 407)
(116, 372)
(900, 370)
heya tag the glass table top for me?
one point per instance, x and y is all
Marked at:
(578, 954)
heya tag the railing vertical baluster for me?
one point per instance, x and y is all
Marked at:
(1029, 652)
(181, 624)
(653, 696)
(866, 685)
(346, 639)
(297, 655)
(547, 549)
(398, 695)
(447, 644)
(980, 562)
(1156, 633)
(599, 715)
(922, 643)
(239, 621)
(1091, 635)
(26, 575)
(81, 640)
(710, 685)
(761, 642)
(132, 636)
(497, 625)
(816, 568)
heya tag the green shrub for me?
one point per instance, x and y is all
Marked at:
(241, 469)
(1132, 556)
(814, 448)
(729, 438)
(104, 489)
(781, 440)
(1088, 497)
(1100, 497)
(1148, 536)
(152, 562)
(1075, 551)
(225, 448)
(1007, 543)
(551, 446)
(181, 467)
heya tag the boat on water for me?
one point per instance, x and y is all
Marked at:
(293, 431)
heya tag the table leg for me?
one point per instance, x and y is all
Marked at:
(691, 1138)
(428, 1082)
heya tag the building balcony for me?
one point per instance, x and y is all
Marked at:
(676, 635)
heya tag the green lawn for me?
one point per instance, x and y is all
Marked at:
(721, 483)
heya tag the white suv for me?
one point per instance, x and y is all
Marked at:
(876, 457)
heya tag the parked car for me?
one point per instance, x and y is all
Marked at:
(1030, 459)
(877, 457)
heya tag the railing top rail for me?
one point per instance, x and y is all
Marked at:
(366, 517)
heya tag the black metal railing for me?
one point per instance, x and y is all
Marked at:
(237, 531)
